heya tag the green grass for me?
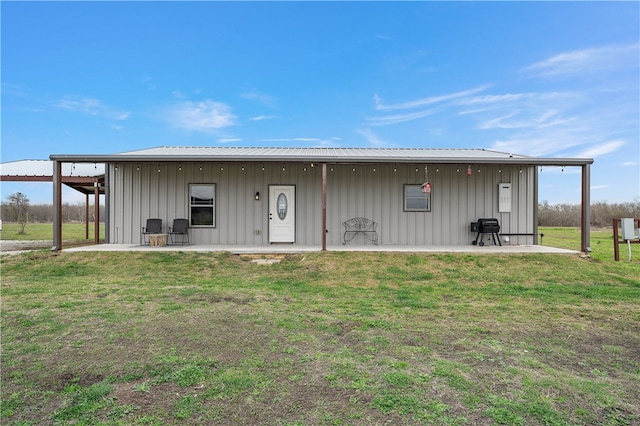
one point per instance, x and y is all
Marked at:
(326, 338)
(44, 231)
(569, 238)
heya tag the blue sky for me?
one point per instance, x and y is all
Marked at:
(550, 79)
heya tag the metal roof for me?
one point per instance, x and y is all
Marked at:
(79, 176)
(320, 155)
(352, 153)
(44, 168)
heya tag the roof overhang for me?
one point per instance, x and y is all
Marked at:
(322, 155)
(83, 179)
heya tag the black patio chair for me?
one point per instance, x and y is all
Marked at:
(180, 228)
(154, 226)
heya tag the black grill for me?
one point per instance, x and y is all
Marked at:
(489, 226)
(486, 226)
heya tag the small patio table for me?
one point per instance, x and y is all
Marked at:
(157, 240)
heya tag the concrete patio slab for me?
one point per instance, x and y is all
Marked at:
(293, 249)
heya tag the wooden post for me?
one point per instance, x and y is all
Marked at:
(616, 243)
(57, 206)
(324, 206)
(585, 237)
(616, 237)
(86, 217)
(96, 216)
(535, 206)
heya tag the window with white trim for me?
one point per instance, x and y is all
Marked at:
(202, 205)
(415, 200)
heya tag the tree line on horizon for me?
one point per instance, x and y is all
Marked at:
(17, 209)
(602, 213)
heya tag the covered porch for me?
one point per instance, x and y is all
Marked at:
(345, 183)
(296, 249)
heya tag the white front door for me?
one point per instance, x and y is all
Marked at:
(282, 214)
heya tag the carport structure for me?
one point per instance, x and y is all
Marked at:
(87, 178)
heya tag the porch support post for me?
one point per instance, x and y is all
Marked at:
(585, 224)
(535, 205)
(86, 217)
(324, 206)
(57, 206)
(96, 216)
(107, 204)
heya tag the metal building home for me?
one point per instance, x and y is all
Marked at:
(307, 196)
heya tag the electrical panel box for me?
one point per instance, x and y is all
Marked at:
(504, 197)
(628, 231)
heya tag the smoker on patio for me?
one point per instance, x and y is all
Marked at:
(486, 226)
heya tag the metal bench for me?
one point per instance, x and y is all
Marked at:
(360, 225)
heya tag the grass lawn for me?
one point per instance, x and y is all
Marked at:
(44, 231)
(320, 339)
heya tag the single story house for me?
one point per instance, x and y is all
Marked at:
(261, 196)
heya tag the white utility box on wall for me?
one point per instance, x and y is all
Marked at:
(628, 231)
(504, 197)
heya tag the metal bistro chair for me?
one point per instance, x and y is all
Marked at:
(180, 227)
(154, 226)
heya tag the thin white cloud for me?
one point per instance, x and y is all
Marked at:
(229, 140)
(440, 103)
(562, 141)
(327, 143)
(120, 115)
(585, 61)
(533, 145)
(292, 140)
(596, 187)
(499, 122)
(380, 106)
(90, 106)
(262, 117)
(86, 105)
(372, 138)
(491, 99)
(601, 149)
(314, 142)
(552, 123)
(261, 98)
(400, 118)
(630, 163)
(148, 81)
(204, 116)
(508, 105)
(516, 120)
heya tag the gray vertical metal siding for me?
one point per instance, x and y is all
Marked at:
(457, 200)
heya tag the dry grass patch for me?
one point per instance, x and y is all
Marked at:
(324, 338)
